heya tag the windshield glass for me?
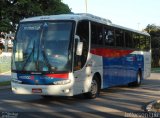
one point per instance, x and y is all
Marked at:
(42, 46)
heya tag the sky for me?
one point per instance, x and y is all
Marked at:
(135, 14)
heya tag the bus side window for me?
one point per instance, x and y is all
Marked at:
(108, 37)
(128, 40)
(96, 34)
(83, 33)
(100, 34)
(135, 40)
(119, 38)
(142, 42)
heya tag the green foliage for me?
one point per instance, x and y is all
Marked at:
(5, 25)
(152, 28)
(6, 83)
(11, 13)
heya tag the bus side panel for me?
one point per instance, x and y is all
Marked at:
(121, 67)
(113, 72)
(118, 71)
(122, 70)
(131, 66)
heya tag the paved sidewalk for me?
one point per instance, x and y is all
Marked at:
(5, 76)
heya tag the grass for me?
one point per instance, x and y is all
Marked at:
(5, 83)
(155, 70)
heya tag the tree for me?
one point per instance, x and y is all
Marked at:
(155, 43)
(11, 11)
(153, 29)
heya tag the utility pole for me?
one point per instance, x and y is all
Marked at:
(86, 5)
(138, 26)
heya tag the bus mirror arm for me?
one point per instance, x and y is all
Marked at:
(77, 38)
(79, 45)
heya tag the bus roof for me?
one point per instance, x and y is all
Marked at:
(81, 16)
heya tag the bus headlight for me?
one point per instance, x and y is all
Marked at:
(62, 82)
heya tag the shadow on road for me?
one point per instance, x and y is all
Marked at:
(113, 102)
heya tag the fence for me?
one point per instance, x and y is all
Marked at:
(5, 62)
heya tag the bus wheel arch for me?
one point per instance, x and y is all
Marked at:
(97, 74)
(95, 87)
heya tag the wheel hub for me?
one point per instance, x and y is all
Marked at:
(94, 87)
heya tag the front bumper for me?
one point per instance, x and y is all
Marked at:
(55, 90)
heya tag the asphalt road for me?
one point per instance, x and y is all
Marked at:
(113, 102)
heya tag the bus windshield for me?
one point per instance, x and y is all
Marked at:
(43, 47)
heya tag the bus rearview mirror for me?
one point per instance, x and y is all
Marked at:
(79, 48)
(79, 45)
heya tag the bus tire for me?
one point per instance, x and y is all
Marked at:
(138, 80)
(94, 90)
(46, 96)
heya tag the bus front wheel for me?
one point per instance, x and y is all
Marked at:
(94, 89)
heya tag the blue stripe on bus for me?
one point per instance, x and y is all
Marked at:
(37, 79)
(122, 70)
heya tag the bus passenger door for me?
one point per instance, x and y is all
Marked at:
(80, 68)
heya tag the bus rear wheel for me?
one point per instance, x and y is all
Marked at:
(138, 80)
(94, 90)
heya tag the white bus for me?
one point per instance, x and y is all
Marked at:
(70, 54)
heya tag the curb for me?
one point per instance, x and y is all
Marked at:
(5, 87)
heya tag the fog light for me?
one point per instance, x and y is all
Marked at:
(66, 91)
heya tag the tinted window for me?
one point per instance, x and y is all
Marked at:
(135, 40)
(96, 34)
(119, 38)
(109, 39)
(142, 42)
(128, 40)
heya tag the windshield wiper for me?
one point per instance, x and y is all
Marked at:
(46, 60)
(51, 68)
(29, 56)
(41, 45)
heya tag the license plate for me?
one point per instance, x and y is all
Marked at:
(36, 90)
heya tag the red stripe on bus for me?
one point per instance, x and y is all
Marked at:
(61, 76)
(110, 52)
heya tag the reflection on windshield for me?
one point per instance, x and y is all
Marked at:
(42, 47)
(56, 44)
